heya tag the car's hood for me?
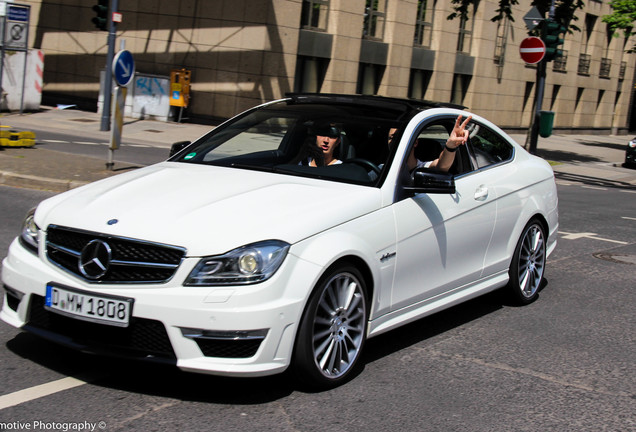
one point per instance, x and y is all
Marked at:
(206, 209)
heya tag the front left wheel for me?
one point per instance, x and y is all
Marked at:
(332, 331)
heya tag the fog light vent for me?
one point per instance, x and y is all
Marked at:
(226, 344)
(13, 298)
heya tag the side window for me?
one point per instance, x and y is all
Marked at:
(430, 142)
(488, 147)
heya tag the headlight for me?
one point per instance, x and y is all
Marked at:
(29, 232)
(246, 265)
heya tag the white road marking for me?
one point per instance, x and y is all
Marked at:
(628, 218)
(628, 191)
(594, 187)
(576, 236)
(29, 394)
(53, 141)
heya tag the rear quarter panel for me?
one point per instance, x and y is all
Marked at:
(526, 190)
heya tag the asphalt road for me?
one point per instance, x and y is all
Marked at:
(565, 362)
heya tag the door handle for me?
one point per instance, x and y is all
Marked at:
(481, 193)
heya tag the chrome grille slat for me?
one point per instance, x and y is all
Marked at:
(133, 261)
(64, 249)
(144, 264)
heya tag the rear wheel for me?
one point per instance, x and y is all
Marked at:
(528, 264)
(333, 329)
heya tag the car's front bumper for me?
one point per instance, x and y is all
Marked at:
(238, 330)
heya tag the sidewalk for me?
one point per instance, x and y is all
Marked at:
(41, 168)
(591, 159)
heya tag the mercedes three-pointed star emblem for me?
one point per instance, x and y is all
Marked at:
(95, 259)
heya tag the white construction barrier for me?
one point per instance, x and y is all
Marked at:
(13, 97)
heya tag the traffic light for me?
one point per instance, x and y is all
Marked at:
(101, 15)
(553, 38)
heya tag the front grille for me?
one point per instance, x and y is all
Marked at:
(228, 348)
(131, 261)
(143, 338)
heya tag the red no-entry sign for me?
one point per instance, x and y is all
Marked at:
(532, 50)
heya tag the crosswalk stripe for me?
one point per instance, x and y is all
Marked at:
(36, 392)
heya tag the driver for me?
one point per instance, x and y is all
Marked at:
(320, 152)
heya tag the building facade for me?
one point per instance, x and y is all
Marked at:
(244, 52)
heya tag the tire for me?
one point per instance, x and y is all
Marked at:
(528, 264)
(332, 331)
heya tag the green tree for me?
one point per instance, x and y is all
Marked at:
(622, 18)
(564, 10)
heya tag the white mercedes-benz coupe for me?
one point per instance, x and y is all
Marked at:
(286, 237)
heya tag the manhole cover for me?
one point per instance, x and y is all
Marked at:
(616, 258)
(84, 120)
(153, 131)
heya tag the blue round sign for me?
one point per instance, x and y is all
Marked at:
(123, 68)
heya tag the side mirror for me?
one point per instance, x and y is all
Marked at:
(178, 146)
(427, 181)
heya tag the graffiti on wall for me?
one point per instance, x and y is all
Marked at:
(151, 96)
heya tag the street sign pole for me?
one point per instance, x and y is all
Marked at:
(541, 72)
(3, 18)
(108, 77)
(119, 106)
(26, 56)
(123, 70)
(534, 131)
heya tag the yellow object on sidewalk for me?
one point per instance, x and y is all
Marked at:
(14, 138)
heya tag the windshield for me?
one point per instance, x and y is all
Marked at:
(340, 142)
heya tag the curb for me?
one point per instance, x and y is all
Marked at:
(35, 182)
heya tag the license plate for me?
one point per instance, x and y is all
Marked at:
(102, 308)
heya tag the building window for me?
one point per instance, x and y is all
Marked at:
(369, 78)
(423, 23)
(460, 88)
(621, 71)
(584, 64)
(310, 74)
(606, 66)
(465, 36)
(419, 83)
(559, 63)
(374, 19)
(606, 62)
(314, 15)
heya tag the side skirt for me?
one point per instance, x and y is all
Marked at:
(433, 305)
